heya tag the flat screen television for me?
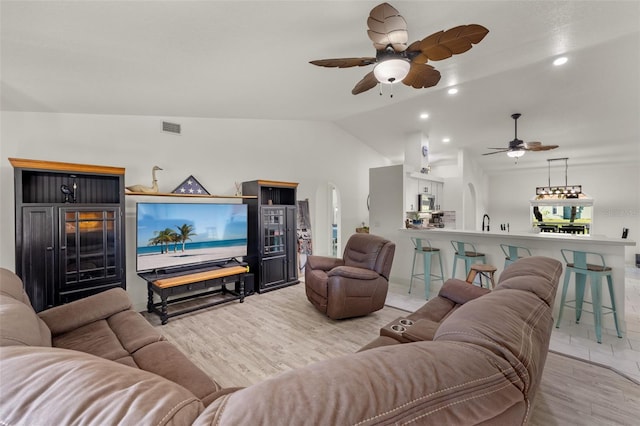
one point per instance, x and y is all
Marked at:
(171, 235)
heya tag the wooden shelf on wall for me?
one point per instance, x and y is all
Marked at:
(166, 194)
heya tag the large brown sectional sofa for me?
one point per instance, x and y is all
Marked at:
(471, 356)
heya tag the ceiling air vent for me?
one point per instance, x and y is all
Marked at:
(171, 127)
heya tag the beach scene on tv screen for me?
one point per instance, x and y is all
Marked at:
(176, 234)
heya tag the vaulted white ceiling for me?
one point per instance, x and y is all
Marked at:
(249, 59)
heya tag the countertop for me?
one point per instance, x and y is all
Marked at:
(541, 236)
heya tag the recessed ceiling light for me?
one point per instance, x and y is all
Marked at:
(446, 140)
(424, 116)
(560, 61)
(452, 91)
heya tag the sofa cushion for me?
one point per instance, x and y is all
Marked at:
(96, 338)
(50, 386)
(113, 338)
(19, 324)
(362, 251)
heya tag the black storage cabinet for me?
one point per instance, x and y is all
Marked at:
(272, 241)
(69, 230)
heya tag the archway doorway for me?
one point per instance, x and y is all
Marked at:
(469, 207)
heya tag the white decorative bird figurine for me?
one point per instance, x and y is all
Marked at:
(148, 189)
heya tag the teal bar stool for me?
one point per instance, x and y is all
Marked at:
(513, 253)
(422, 247)
(468, 253)
(578, 262)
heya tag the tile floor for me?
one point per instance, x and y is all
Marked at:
(577, 340)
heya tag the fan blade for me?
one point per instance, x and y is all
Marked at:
(343, 62)
(421, 76)
(496, 152)
(387, 27)
(368, 82)
(444, 44)
(541, 147)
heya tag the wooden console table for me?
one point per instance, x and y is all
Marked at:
(170, 285)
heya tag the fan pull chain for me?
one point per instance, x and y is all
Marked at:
(390, 89)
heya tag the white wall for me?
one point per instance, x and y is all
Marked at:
(217, 152)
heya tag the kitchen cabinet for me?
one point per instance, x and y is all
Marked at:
(395, 195)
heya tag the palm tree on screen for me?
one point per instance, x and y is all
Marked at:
(163, 238)
(184, 233)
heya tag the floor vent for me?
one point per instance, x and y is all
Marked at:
(170, 127)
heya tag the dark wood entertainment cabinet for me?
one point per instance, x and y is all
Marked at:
(272, 240)
(69, 229)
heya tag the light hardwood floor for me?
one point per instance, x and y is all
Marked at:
(239, 344)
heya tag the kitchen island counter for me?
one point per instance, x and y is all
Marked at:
(540, 244)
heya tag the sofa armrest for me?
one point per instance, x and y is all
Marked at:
(71, 316)
(461, 292)
(51, 386)
(323, 263)
(422, 329)
(353, 272)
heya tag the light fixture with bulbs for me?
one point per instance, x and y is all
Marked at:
(559, 191)
(516, 153)
(563, 191)
(391, 71)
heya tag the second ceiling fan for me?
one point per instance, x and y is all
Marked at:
(517, 147)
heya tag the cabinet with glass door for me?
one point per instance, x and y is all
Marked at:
(272, 242)
(69, 229)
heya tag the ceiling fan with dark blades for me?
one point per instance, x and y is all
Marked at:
(517, 147)
(395, 61)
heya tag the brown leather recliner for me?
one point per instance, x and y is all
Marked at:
(355, 285)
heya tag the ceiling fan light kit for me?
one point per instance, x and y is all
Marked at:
(397, 61)
(391, 71)
(515, 154)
